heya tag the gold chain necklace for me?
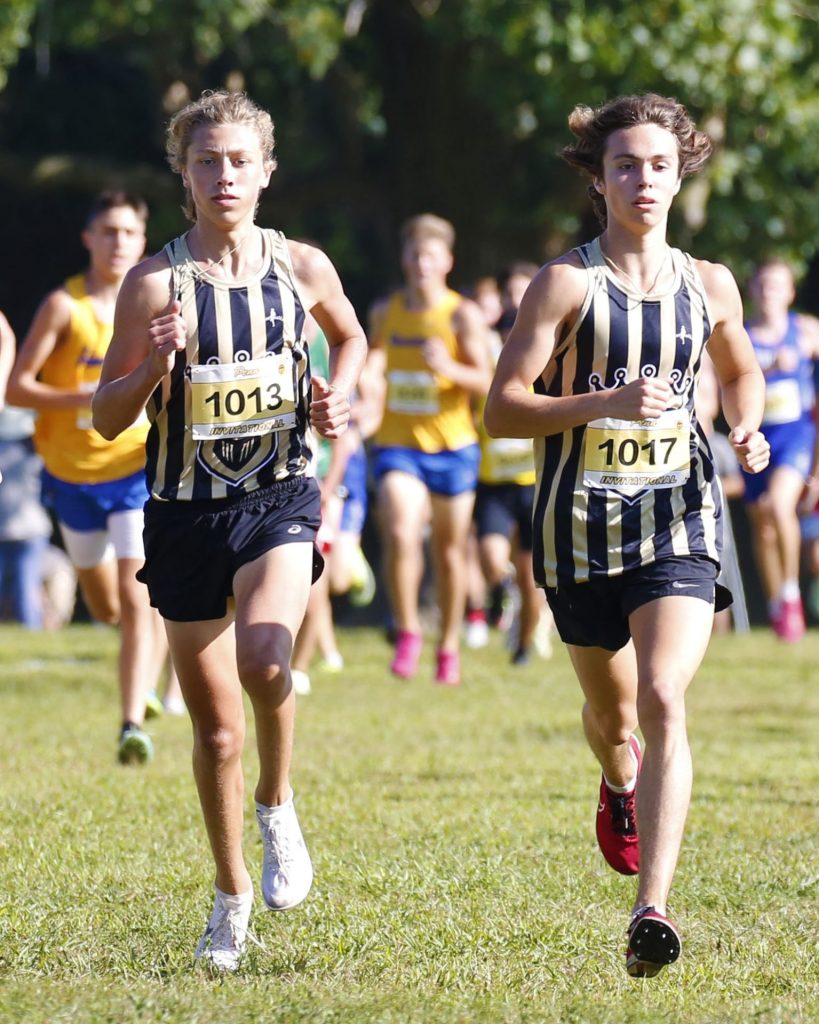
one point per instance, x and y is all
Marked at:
(643, 294)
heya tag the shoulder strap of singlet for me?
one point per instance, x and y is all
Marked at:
(591, 258)
(691, 277)
(179, 259)
(75, 286)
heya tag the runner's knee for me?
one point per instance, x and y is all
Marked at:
(614, 725)
(661, 705)
(219, 743)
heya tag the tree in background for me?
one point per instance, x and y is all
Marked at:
(387, 107)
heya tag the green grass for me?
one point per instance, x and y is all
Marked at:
(457, 878)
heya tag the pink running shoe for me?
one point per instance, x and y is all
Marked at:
(789, 622)
(448, 671)
(407, 653)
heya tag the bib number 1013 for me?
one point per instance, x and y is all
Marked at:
(236, 402)
(242, 399)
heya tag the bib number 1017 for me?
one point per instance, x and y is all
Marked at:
(629, 452)
(629, 456)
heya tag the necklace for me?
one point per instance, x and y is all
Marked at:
(643, 294)
(230, 252)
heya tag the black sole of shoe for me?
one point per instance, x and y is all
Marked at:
(653, 945)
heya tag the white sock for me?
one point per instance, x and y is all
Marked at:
(789, 591)
(269, 811)
(622, 789)
(629, 785)
(235, 899)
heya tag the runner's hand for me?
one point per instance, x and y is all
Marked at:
(752, 449)
(168, 334)
(329, 409)
(641, 399)
(436, 356)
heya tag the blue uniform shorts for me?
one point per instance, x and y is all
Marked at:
(791, 445)
(444, 473)
(86, 507)
(354, 511)
(596, 613)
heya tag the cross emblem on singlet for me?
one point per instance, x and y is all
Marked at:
(273, 318)
(683, 335)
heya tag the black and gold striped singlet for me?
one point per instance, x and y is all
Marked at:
(233, 415)
(613, 495)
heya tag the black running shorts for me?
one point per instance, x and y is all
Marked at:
(194, 548)
(596, 613)
(499, 508)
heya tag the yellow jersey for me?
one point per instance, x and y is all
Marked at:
(423, 410)
(64, 438)
(504, 460)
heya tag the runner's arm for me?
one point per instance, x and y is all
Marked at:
(148, 333)
(321, 288)
(741, 380)
(8, 344)
(471, 369)
(549, 308)
(51, 321)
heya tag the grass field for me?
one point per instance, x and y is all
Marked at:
(457, 878)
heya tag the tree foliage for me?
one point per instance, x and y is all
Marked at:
(385, 107)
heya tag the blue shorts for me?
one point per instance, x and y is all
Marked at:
(500, 508)
(86, 507)
(193, 549)
(354, 483)
(791, 445)
(445, 473)
(596, 614)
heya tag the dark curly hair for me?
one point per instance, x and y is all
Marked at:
(593, 127)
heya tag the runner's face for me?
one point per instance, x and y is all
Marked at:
(641, 175)
(115, 240)
(773, 290)
(426, 262)
(225, 171)
(516, 288)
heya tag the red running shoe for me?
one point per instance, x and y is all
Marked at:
(448, 669)
(407, 654)
(653, 942)
(617, 824)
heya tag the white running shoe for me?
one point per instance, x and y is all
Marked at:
(225, 937)
(174, 706)
(287, 873)
(301, 681)
(476, 634)
(333, 662)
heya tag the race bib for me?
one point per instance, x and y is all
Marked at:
(242, 399)
(83, 414)
(412, 393)
(508, 458)
(783, 402)
(631, 455)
